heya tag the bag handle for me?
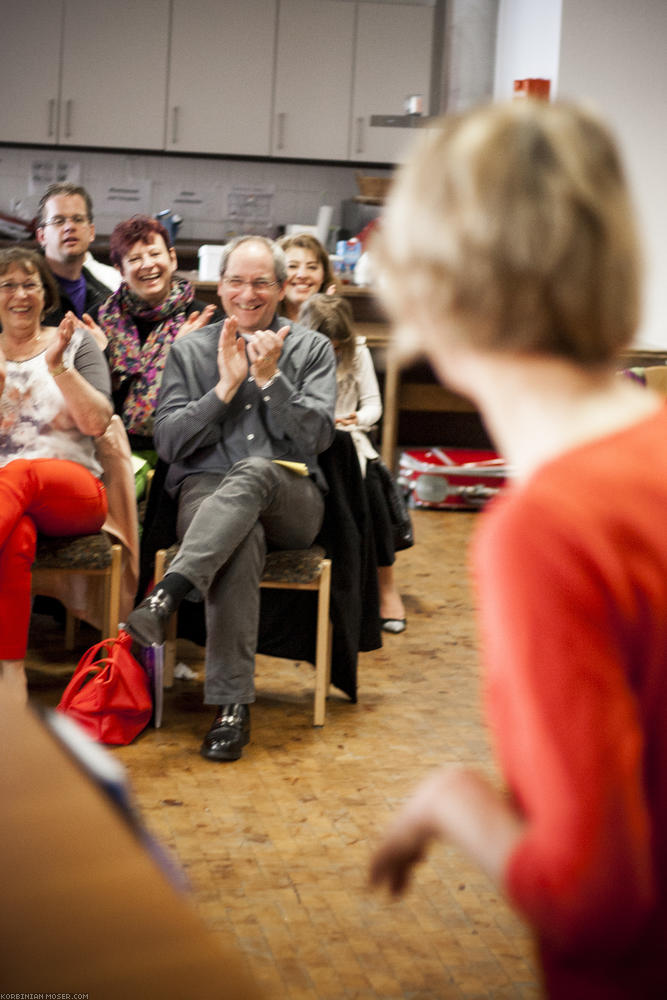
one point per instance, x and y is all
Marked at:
(93, 663)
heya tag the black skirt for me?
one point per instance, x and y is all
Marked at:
(383, 531)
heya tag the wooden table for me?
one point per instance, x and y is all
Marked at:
(84, 908)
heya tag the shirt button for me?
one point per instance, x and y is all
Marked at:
(251, 437)
(266, 399)
(248, 406)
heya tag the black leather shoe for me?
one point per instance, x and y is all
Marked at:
(229, 733)
(148, 622)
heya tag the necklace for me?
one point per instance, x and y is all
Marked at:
(24, 351)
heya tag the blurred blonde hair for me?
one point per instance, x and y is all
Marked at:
(513, 224)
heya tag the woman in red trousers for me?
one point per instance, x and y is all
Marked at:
(54, 400)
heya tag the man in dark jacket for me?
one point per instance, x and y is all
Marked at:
(65, 231)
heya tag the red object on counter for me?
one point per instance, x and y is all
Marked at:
(533, 86)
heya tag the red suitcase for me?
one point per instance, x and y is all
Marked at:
(452, 478)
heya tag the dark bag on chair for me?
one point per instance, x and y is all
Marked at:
(110, 692)
(398, 510)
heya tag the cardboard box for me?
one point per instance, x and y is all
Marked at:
(452, 478)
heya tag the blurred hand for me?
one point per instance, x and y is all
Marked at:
(96, 332)
(347, 421)
(456, 804)
(196, 320)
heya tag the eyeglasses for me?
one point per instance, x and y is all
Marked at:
(260, 285)
(61, 220)
(9, 287)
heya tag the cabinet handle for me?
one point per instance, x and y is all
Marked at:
(68, 119)
(174, 124)
(360, 135)
(281, 130)
(52, 116)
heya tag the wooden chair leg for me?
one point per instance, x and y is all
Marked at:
(170, 638)
(323, 645)
(113, 604)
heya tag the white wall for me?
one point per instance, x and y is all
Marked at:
(299, 188)
(611, 53)
(527, 43)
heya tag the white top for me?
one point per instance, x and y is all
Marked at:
(358, 392)
(34, 419)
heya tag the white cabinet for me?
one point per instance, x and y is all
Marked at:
(393, 55)
(114, 72)
(221, 76)
(29, 70)
(84, 72)
(311, 110)
(282, 78)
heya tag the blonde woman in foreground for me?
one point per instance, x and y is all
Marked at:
(509, 253)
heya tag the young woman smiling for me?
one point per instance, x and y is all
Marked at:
(308, 271)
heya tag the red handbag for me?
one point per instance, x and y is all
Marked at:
(110, 692)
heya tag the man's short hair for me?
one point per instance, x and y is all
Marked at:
(67, 189)
(279, 261)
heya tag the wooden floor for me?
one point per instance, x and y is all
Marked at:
(276, 846)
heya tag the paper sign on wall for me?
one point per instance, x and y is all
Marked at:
(44, 172)
(130, 198)
(190, 203)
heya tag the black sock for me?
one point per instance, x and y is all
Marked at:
(176, 586)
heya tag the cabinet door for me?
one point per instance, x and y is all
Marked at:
(29, 70)
(393, 61)
(114, 73)
(311, 110)
(221, 76)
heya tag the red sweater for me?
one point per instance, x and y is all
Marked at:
(571, 570)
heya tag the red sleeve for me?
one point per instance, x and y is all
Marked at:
(567, 726)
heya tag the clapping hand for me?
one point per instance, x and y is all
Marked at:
(56, 349)
(196, 320)
(232, 360)
(264, 350)
(96, 332)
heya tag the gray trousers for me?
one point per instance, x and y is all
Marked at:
(225, 525)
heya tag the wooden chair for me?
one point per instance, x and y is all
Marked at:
(87, 556)
(289, 569)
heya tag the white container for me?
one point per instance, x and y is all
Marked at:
(210, 256)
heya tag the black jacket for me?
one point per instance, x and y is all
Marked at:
(96, 294)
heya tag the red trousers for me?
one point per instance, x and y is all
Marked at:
(47, 495)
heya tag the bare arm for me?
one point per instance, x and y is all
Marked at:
(452, 804)
(89, 408)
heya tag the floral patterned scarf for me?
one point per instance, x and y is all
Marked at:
(142, 364)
